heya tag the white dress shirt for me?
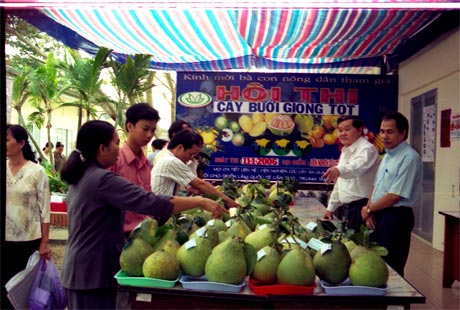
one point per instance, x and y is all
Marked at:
(358, 164)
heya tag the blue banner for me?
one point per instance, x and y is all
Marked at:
(276, 125)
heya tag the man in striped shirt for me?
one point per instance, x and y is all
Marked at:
(171, 172)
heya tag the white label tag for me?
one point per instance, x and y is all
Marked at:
(211, 222)
(311, 226)
(263, 226)
(144, 297)
(325, 247)
(314, 244)
(228, 223)
(200, 232)
(260, 254)
(296, 241)
(190, 244)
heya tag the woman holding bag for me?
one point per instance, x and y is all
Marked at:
(27, 207)
(96, 202)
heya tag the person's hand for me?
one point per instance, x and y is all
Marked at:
(331, 175)
(364, 213)
(328, 215)
(214, 207)
(45, 250)
(370, 222)
(231, 204)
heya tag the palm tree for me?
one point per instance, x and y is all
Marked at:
(131, 80)
(84, 75)
(46, 93)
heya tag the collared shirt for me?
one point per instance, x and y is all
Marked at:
(400, 173)
(170, 174)
(137, 170)
(358, 164)
(27, 202)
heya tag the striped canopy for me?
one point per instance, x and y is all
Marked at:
(308, 40)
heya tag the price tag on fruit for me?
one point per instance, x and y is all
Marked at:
(311, 226)
(190, 244)
(260, 254)
(200, 232)
(314, 244)
(325, 247)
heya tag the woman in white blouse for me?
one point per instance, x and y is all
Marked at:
(27, 206)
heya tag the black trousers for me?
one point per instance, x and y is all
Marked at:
(393, 231)
(101, 299)
(350, 213)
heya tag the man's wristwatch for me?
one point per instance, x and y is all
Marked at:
(368, 209)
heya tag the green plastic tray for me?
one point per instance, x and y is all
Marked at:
(124, 279)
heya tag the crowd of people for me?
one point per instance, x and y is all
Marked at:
(113, 188)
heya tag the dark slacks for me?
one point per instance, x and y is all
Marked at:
(92, 299)
(393, 231)
(350, 213)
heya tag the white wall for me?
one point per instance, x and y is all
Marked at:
(437, 67)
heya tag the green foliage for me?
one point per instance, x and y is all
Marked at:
(54, 178)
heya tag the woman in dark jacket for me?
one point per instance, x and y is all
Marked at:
(96, 202)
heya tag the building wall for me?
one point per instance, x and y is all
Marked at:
(437, 67)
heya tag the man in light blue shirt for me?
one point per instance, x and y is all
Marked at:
(397, 187)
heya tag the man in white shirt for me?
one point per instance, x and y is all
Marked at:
(171, 173)
(354, 174)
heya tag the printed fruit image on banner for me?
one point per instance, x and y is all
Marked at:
(276, 125)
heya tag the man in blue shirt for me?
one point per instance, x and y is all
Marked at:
(397, 187)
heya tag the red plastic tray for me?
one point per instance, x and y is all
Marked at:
(280, 289)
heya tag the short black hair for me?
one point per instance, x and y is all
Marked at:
(59, 144)
(139, 111)
(158, 144)
(356, 121)
(177, 126)
(187, 138)
(402, 124)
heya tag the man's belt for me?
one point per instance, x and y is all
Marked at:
(357, 203)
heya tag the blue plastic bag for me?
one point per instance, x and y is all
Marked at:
(47, 291)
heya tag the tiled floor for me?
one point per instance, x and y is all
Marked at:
(424, 271)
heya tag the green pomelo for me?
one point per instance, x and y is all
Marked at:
(332, 266)
(171, 246)
(266, 267)
(357, 251)
(193, 255)
(210, 233)
(168, 235)
(133, 255)
(148, 231)
(240, 229)
(350, 244)
(218, 224)
(260, 238)
(227, 263)
(369, 269)
(161, 265)
(296, 268)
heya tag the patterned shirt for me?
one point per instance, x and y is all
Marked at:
(170, 175)
(27, 202)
